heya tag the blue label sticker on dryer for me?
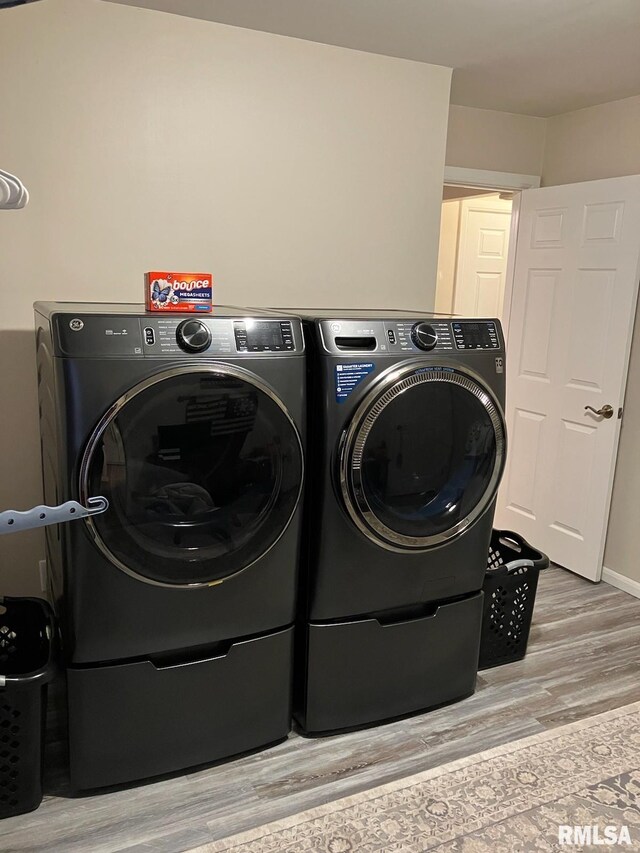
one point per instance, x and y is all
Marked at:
(350, 375)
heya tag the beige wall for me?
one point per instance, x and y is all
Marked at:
(298, 173)
(598, 142)
(499, 142)
(604, 142)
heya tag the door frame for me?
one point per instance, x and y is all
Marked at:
(496, 182)
(509, 276)
(489, 180)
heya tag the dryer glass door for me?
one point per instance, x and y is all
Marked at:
(203, 471)
(422, 457)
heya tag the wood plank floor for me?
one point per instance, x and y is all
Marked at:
(583, 658)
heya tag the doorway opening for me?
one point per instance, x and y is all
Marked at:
(475, 228)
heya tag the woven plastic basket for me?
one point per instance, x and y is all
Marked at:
(27, 664)
(511, 581)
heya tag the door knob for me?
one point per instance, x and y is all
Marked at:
(606, 411)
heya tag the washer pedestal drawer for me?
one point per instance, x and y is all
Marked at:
(367, 670)
(132, 720)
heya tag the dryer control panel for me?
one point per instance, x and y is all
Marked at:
(413, 336)
(157, 336)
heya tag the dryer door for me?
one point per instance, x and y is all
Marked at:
(203, 470)
(423, 456)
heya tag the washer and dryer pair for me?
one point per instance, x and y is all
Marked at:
(179, 605)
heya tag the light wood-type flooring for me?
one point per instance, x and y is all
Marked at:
(583, 658)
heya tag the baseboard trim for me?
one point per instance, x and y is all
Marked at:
(621, 582)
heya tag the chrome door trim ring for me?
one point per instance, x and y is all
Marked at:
(393, 383)
(214, 368)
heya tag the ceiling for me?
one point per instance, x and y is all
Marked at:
(536, 57)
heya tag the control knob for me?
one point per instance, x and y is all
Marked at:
(424, 336)
(193, 336)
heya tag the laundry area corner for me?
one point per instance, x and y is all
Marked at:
(319, 428)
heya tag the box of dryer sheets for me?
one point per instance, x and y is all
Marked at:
(178, 291)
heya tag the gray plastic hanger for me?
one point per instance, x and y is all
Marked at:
(12, 521)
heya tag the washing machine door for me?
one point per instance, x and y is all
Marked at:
(422, 458)
(203, 470)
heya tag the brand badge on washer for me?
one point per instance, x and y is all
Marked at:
(499, 365)
(348, 376)
(76, 324)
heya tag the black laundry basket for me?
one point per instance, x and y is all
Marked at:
(510, 585)
(27, 664)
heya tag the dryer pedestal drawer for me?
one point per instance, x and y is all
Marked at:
(364, 671)
(133, 720)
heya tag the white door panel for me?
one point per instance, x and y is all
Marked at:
(482, 257)
(573, 299)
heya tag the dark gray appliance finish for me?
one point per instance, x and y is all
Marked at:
(196, 438)
(406, 450)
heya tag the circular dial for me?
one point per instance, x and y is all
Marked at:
(424, 336)
(193, 336)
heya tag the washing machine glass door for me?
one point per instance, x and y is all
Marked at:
(422, 457)
(203, 471)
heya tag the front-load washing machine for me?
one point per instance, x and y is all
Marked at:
(406, 447)
(177, 604)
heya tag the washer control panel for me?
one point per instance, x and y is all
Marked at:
(408, 336)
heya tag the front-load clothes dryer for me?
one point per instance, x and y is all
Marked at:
(406, 447)
(177, 605)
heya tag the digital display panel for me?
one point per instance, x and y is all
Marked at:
(475, 335)
(264, 335)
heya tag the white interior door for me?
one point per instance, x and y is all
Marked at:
(482, 257)
(573, 302)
